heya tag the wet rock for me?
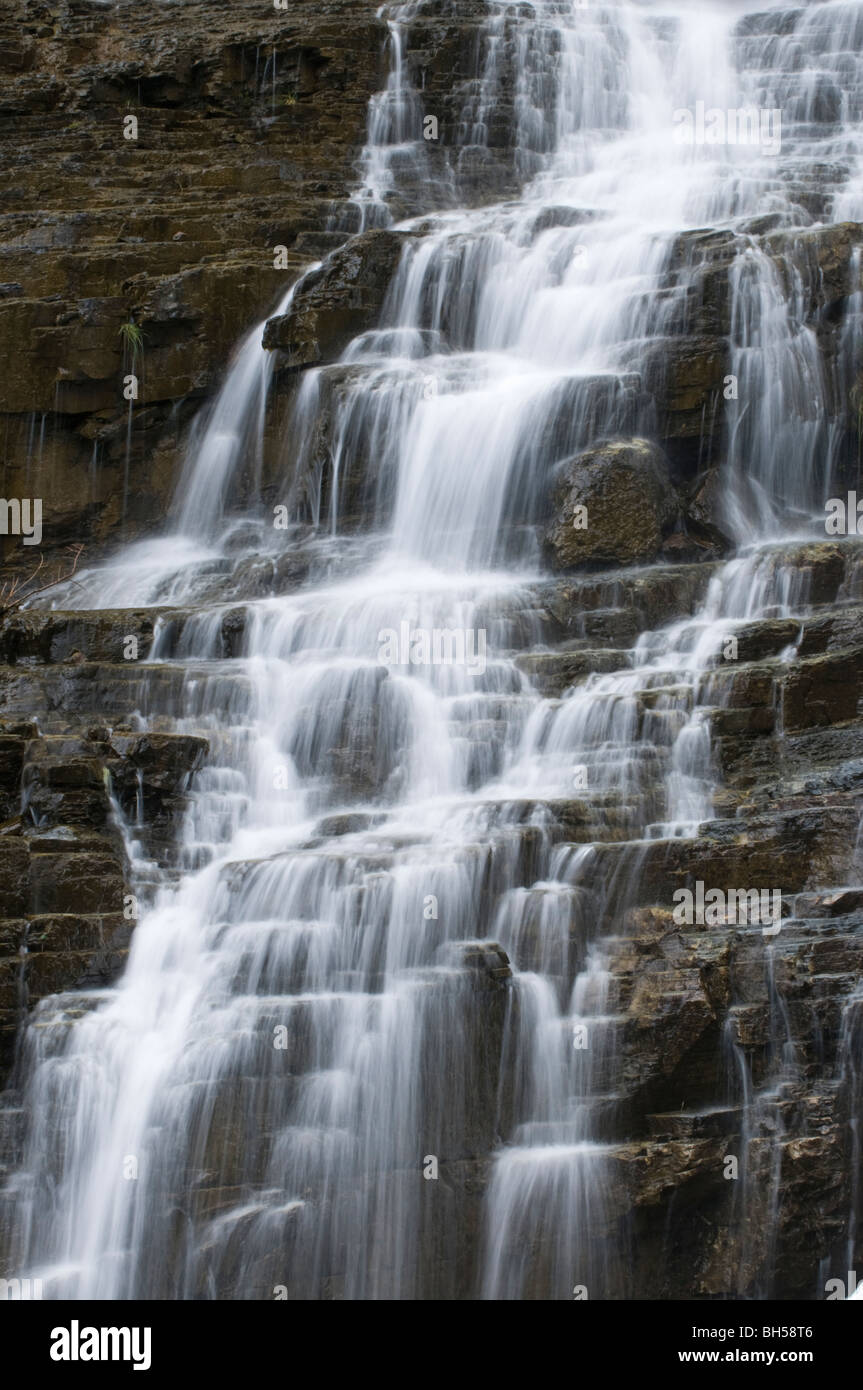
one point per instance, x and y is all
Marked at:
(823, 690)
(85, 691)
(332, 305)
(824, 259)
(630, 504)
(13, 741)
(165, 760)
(14, 876)
(756, 641)
(835, 904)
(686, 376)
(561, 217)
(62, 784)
(76, 883)
(706, 518)
(348, 824)
(45, 955)
(338, 736)
(150, 775)
(654, 595)
(489, 960)
(460, 1119)
(668, 1014)
(822, 568)
(617, 627)
(358, 485)
(551, 673)
(699, 263)
(183, 243)
(832, 632)
(757, 720)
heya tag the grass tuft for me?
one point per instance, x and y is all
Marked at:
(133, 338)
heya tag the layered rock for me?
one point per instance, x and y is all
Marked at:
(249, 123)
(335, 304)
(68, 905)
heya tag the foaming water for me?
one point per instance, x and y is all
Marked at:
(315, 1011)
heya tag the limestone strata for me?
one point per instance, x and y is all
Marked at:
(65, 882)
(250, 120)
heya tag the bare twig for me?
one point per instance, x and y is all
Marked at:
(16, 591)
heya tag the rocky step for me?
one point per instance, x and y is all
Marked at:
(695, 1124)
(551, 673)
(794, 850)
(815, 690)
(823, 685)
(66, 947)
(758, 766)
(37, 637)
(654, 594)
(674, 1049)
(580, 613)
(94, 692)
(380, 851)
(61, 847)
(69, 777)
(217, 630)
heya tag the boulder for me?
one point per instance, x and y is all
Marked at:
(630, 503)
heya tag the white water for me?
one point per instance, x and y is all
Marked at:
(259, 1165)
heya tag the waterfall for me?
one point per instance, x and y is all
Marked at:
(380, 961)
(230, 438)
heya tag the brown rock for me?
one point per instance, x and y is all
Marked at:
(630, 504)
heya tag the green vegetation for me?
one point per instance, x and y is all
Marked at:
(133, 338)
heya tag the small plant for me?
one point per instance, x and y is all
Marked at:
(132, 337)
(289, 100)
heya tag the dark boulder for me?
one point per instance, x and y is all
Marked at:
(612, 506)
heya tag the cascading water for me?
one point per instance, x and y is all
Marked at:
(312, 1014)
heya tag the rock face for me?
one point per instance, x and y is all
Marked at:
(249, 122)
(336, 303)
(68, 905)
(68, 909)
(149, 252)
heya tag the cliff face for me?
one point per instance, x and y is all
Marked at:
(249, 122)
